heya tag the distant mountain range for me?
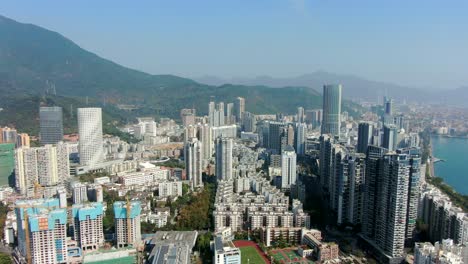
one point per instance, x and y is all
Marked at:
(353, 87)
(35, 61)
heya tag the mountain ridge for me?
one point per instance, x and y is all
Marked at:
(38, 62)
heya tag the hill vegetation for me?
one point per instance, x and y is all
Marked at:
(35, 61)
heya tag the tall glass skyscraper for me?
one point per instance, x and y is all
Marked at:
(90, 131)
(331, 109)
(51, 124)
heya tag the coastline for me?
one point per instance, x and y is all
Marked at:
(438, 182)
(448, 136)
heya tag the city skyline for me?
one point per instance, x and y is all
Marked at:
(369, 38)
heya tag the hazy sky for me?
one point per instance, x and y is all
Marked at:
(411, 42)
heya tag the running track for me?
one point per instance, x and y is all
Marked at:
(246, 243)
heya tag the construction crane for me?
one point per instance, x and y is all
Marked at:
(129, 221)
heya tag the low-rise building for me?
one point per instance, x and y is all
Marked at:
(225, 252)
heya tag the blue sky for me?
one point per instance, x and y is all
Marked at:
(420, 43)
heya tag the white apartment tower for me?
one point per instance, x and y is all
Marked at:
(90, 132)
(193, 154)
(288, 167)
(48, 166)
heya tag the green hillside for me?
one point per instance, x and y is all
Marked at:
(34, 60)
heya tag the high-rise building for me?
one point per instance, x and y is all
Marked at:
(288, 167)
(193, 155)
(88, 226)
(373, 156)
(127, 223)
(300, 118)
(314, 117)
(22, 140)
(90, 132)
(230, 117)
(388, 106)
(95, 193)
(326, 146)
(7, 164)
(205, 135)
(216, 114)
(386, 208)
(80, 192)
(365, 132)
(51, 124)
(44, 225)
(239, 107)
(249, 122)
(275, 132)
(414, 158)
(223, 158)
(47, 165)
(331, 110)
(350, 189)
(8, 135)
(387, 117)
(390, 137)
(188, 116)
(300, 138)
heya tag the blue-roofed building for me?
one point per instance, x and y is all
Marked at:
(87, 225)
(45, 224)
(127, 224)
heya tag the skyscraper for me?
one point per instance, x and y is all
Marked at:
(239, 106)
(390, 137)
(373, 156)
(387, 117)
(90, 132)
(88, 226)
(193, 155)
(205, 135)
(51, 124)
(300, 115)
(249, 122)
(288, 167)
(300, 138)
(275, 132)
(230, 118)
(386, 211)
(127, 223)
(331, 110)
(350, 195)
(44, 224)
(414, 156)
(365, 132)
(326, 146)
(224, 158)
(216, 114)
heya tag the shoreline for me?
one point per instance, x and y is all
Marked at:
(449, 136)
(431, 170)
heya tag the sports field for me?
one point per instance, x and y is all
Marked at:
(250, 255)
(289, 256)
(251, 252)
